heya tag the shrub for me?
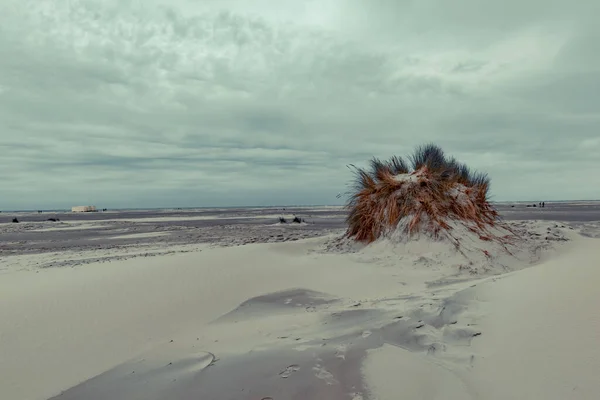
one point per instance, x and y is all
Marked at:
(424, 193)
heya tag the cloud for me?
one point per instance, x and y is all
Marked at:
(155, 103)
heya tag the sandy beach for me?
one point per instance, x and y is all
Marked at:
(231, 304)
(299, 200)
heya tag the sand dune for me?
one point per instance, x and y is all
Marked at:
(311, 319)
(542, 330)
(536, 334)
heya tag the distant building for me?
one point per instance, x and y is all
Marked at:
(84, 209)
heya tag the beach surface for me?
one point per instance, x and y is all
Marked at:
(232, 304)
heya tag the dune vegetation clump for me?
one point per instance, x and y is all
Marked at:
(427, 193)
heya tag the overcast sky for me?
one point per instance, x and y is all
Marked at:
(180, 103)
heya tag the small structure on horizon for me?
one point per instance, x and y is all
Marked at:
(79, 209)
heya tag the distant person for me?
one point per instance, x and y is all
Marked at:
(543, 204)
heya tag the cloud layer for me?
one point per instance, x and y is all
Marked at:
(155, 103)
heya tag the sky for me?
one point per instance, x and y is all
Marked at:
(180, 103)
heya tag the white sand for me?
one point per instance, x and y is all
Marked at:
(394, 373)
(61, 326)
(539, 326)
(540, 334)
(542, 331)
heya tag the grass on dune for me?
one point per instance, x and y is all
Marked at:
(426, 191)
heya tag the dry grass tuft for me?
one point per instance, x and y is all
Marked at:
(425, 194)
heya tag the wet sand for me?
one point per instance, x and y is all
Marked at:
(149, 231)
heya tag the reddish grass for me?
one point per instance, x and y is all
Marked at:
(430, 193)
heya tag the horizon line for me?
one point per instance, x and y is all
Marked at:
(257, 206)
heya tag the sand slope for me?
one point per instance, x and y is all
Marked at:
(542, 331)
(62, 326)
(538, 333)
(297, 321)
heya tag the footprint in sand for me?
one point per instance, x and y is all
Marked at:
(286, 373)
(323, 374)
